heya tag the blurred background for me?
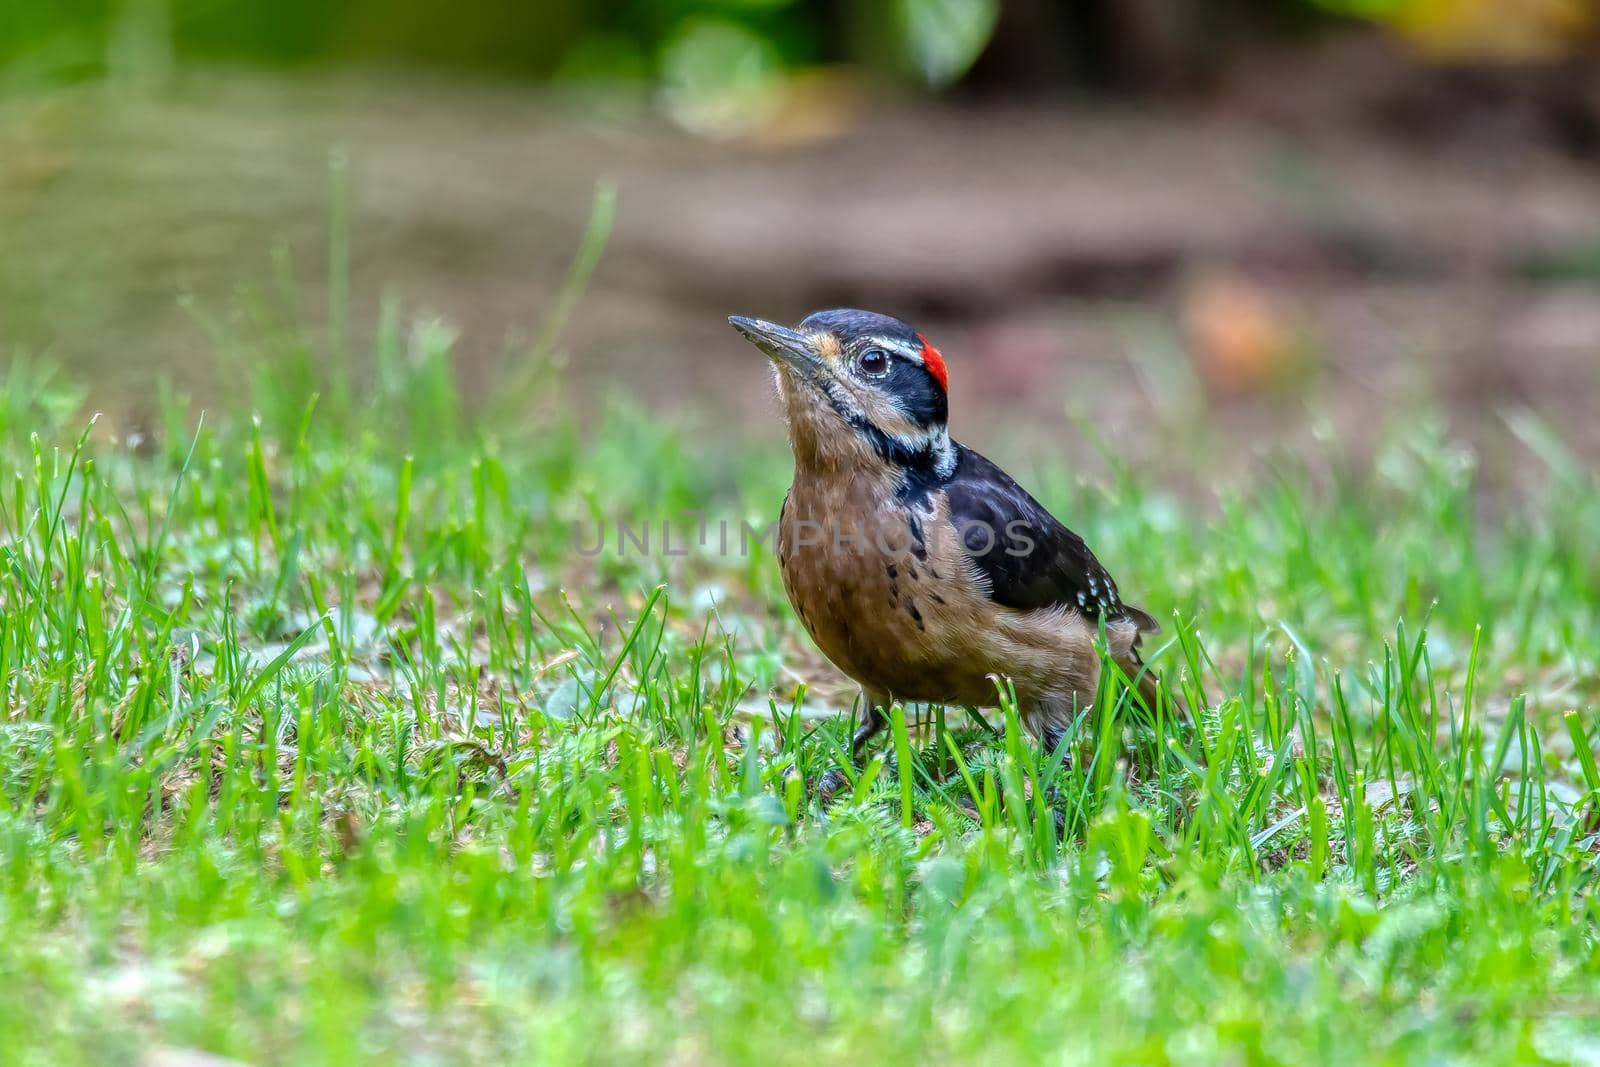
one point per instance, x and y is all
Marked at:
(1303, 216)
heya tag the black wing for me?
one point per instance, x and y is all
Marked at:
(1029, 558)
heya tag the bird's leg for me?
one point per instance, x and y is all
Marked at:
(1055, 720)
(874, 719)
(872, 722)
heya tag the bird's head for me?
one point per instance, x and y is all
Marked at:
(860, 389)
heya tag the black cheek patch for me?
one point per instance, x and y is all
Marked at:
(918, 395)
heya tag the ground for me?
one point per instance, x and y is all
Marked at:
(323, 744)
(326, 737)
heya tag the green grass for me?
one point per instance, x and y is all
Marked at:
(320, 744)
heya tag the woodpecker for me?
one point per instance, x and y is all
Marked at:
(921, 569)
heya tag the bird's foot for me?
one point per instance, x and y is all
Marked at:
(832, 784)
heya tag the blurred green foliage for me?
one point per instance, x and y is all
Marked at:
(711, 57)
(684, 44)
(1484, 29)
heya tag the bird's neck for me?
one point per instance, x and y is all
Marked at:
(911, 465)
(926, 456)
(833, 439)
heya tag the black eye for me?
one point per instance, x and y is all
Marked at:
(873, 361)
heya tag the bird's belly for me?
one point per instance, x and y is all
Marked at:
(913, 624)
(886, 643)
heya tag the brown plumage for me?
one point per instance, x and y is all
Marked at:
(921, 569)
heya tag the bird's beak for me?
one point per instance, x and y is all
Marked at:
(789, 347)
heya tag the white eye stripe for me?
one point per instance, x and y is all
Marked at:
(898, 348)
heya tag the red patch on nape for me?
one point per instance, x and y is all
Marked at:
(935, 364)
